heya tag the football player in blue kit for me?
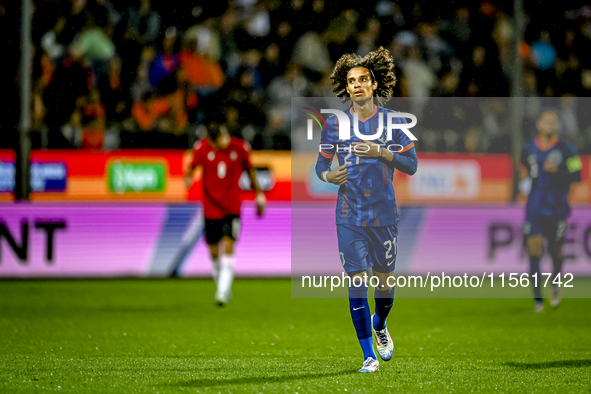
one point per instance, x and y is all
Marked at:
(366, 213)
(548, 167)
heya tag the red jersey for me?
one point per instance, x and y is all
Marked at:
(221, 172)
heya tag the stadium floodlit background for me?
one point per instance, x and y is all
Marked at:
(103, 98)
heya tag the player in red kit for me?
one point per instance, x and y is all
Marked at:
(223, 159)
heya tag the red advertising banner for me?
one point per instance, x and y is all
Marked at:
(134, 175)
(157, 175)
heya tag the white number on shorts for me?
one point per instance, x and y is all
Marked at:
(235, 228)
(389, 245)
(561, 229)
(221, 170)
(342, 256)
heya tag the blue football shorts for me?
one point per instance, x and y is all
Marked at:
(554, 229)
(361, 248)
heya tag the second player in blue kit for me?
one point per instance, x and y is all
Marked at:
(366, 213)
(548, 167)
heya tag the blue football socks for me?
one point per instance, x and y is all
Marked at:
(384, 302)
(534, 268)
(361, 315)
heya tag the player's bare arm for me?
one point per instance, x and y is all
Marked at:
(188, 177)
(261, 201)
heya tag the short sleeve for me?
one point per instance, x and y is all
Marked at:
(246, 163)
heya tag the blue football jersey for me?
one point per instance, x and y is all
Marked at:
(367, 199)
(549, 191)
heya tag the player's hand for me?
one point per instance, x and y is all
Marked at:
(188, 180)
(550, 166)
(338, 176)
(261, 204)
(363, 152)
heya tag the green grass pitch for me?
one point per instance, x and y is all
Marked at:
(167, 336)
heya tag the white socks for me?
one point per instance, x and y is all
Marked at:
(225, 278)
(215, 269)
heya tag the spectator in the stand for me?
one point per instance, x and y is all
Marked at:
(483, 77)
(311, 52)
(341, 34)
(115, 98)
(274, 136)
(543, 55)
(72, 130)
(75, 21)
(165, 113)
(96, 47)
(245, 96)
(166, 62)
(503, 36)
(229, 50)
(369, 37)
(138, 29)
(438, 52)
(258, 24)
(420, 79)
(240, 60)
(163, 118)
(461, 31)
(93, 122)
(233, 121)
(391, 17)
(143, 24)
(208, 40)
(270, 66)
(284, 87)
(318, 14)
(69, 82)
(200, 71)
(295, 12)
(49, 42)
(141, 85)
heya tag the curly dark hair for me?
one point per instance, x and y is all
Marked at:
(381, 66)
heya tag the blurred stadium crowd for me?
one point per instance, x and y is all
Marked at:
(149, 73)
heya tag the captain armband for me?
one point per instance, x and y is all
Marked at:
(574, 164)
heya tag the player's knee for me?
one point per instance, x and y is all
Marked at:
(555, 251)
(214, 251)
(358, 276)
(229, 249)
(228, 245)
(385, 281)
(387, 284)
(535, 246)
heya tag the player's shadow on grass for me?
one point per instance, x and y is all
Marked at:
(260, 379)
(551, 364)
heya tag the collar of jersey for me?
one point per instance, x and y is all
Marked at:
(546, 146)
(375, 111)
